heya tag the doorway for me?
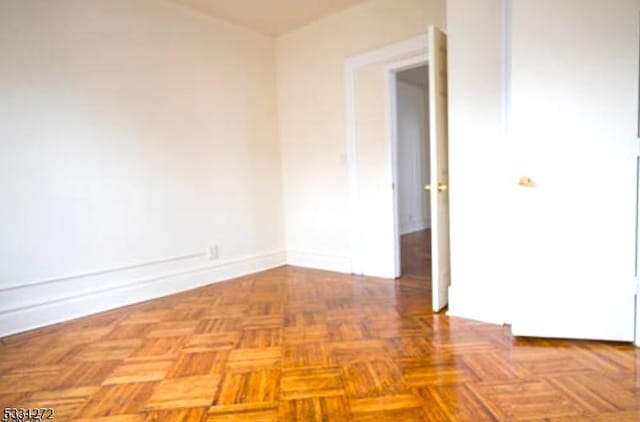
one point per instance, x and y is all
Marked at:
(413, 173)
(431, 161)
(371, 156)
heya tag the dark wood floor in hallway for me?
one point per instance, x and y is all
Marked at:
(296, 344)
(415, 255)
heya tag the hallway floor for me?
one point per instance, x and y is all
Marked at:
(415, 254)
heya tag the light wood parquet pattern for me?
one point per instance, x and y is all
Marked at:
(294, 344)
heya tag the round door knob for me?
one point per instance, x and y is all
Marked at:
(526, 182)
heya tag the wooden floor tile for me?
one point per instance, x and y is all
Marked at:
(129, 331)
(373, 378)
(217, 325)
(85, 373)
(452, 403)
(411, 414)
(308, 355)
(116, 418)
(261, 337)
(118, 399)
(66, 402)
(307, 383)
(344, 331)
(371, 405)
(172, 329)
(27, 379)
(596, 393)
(419, 373)
(247, 388)
(410, 346)
(348, 351)
(255, 358)
(525, 400)
(193, 414)
(316, 409)
(126, 373)
(314, 333)
(184, 392)
(162, 348)
(489, 367)
(261, 415)
(108, 350)
(192, 364)
(212, 342)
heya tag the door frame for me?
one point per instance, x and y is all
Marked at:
(391, 118)
(394, 56)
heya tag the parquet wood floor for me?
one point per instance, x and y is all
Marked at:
(294, 344)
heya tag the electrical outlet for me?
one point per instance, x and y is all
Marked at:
(212, 252)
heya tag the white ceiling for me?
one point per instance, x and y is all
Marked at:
(271, 17)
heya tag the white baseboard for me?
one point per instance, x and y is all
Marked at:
(637, 342)
(339, 264)
(39, 304)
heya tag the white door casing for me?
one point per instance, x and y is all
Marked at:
(370, 237)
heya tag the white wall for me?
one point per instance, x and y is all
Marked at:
(132, 132)
(311, 100)
(413, 158)
(477, 159)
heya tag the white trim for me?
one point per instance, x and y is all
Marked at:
(400, 52)
(506, 67)
(504, 282)
(307, 259)
(636, 278)
(391, 140)
(390, 52)
(637, 311)
(636, 283)
(355, 235)
(63, 307)
(15, 286)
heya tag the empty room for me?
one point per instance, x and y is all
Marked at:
(319, 210)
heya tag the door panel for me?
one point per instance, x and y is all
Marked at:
(573, 125)
(439, 138)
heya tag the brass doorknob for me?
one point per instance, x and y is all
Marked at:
(441, 187)
(526, 182)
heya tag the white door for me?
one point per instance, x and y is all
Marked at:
(573, 124)
(439, 138)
